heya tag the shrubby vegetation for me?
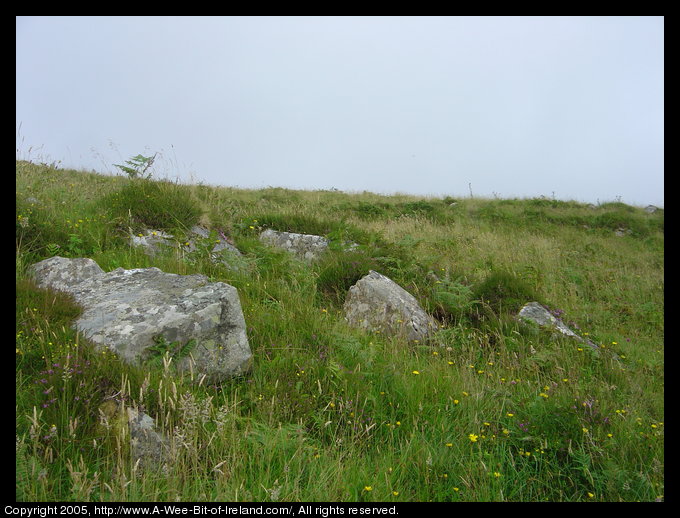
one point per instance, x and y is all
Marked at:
(487, 410)
(144, 203)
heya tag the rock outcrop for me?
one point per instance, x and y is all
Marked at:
(155, 241)
(377, 303)
(134, 311)
(307, 247)
(148, 448)
(221, 243)
(538, 314)
(130, 427)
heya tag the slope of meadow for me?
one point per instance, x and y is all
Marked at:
(487, 410)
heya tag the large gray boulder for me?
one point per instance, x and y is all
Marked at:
(131, 311)
(377, 303)
(307, 247)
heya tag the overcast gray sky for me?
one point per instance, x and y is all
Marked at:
(570, 107)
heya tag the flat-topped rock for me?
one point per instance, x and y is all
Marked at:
(307, 247)
(129, 311)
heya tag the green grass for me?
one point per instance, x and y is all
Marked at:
(487, 410)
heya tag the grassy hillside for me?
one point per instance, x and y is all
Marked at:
(487, 410)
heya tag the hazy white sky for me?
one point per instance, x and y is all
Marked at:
(570, 107)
